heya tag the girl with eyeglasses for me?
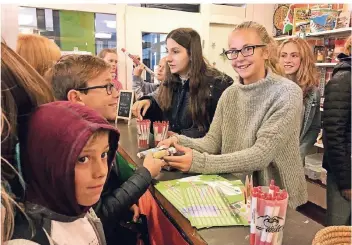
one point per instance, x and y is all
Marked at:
(256, 124)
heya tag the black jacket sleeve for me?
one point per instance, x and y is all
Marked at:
(154, 113)
(336, 127)
(115, 202)
(218, 86)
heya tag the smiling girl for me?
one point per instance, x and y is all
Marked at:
(297, 60)
(256, 124)
(190, 93)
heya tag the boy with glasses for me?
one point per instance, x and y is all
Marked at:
(87, 80)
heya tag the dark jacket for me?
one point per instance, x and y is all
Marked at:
(337, 123)
(179, 114)
(116, 199)
(311, 123)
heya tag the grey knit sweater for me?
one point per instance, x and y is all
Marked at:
(256, 127)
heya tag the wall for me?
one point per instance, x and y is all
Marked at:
(81, 34)
(131, 21)
(9, 24)
(138, 20)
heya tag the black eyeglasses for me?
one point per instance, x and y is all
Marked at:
(245, 51)
(108, 88)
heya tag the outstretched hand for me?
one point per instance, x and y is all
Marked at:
(183, 162)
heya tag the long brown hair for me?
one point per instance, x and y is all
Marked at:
(22, 90)
(198, 73)
(273, 61)
(6, 200)
(40, 52)
(307, 76)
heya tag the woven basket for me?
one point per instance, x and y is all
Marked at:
(333, 235)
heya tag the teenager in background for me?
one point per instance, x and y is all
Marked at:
(297, 60)
(110, 56)
(191, 91)
(337, 140)
(249, 132)
(40, 52)
(141, 87)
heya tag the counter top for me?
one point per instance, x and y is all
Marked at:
(299, 229)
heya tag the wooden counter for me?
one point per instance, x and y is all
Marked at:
(299, 229)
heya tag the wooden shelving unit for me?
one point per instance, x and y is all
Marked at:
(322, 33)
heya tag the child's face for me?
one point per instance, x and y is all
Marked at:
(177, 57)
(252, 67)
(91, 170)
(98, 99)
(111, 58)
(161, 72)
(290, 59)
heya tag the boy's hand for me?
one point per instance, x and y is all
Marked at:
(153, 165)
(136, 212)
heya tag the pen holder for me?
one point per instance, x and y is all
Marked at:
(268, 216)
(160, 130)
(143, 134)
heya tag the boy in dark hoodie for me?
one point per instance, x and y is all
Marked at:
(67, 156)
(86, 80)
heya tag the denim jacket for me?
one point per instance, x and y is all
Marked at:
(312, 121)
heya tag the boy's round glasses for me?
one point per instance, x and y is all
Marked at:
(245, 51)
(108, 88)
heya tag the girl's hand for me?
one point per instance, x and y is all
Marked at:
(183, 162)
(138, 106)
(168, 142)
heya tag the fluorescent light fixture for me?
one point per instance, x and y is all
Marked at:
(103, 35)
(110, 24)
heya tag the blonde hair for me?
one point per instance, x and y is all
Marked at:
(272, 62)
(347, 47)
(106, 51)
(40, 52)
(307, 76)
(73, 72)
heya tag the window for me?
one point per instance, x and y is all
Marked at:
(153, 49)
(71, 30)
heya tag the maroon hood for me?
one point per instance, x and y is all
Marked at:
(57, 133)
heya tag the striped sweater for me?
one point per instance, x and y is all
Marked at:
(256, 128)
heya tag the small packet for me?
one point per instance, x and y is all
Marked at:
(158, 152)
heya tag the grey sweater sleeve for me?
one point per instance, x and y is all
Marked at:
(272, 134)
(141, 87)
